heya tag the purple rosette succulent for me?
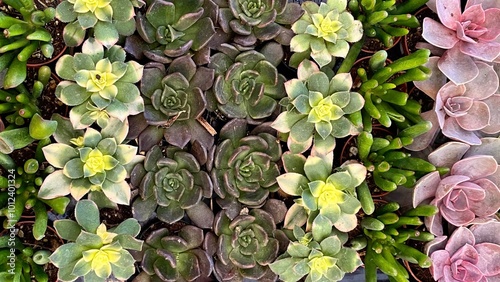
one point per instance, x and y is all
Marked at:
(466, 36)
(469, 255)
(467, 195)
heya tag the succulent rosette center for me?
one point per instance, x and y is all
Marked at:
(167, 34)
(325, 110)
(95, 162)
(101, 80)
(98, 7)
(321, 264)
(173, 184)
(253, 8)
(101, 259)
(328, 26)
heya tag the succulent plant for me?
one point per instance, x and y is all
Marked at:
(169, 184)
(327, 198)
(108, 19)
(385, 236)
(468, 194)
(93, 251)
(173, 28)
(245, 167)
(463, 112)
(317, 109)
(247, 85)
(22, 37)
(90, 162)
(21, 262)
(99, 85)
(386, 20)
(255, 20)
(324, 32)
(247, 245)
(467, 255)
(27, 179)
(390, 165)
(380, 85)
(466, 36)
(174, 103)
(175, 257)
(325, 259)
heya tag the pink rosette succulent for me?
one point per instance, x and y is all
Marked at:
(468, 255)
(463, 112)
(465, 36)
(464, 196)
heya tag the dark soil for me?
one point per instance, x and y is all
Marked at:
(172, 228)
(417, 273)
(111, 217)
(372, 45)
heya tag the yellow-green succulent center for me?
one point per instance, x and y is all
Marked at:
(328, 27)
(99, 79)
(320, 264)
(95, 162)
(326, 110)
(329, 194)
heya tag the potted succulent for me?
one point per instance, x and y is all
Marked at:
(217, 127)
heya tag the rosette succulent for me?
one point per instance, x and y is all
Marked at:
(169, 184)
(90, 162)
(468, 255)
(172, 28)
(99, 85)
(174, 103)
(463, 112)
(326, 198)
(175, 257)
(325, 259)
(255, 20)
(108, 19)
(464, 196)
(324, 32)
(244, 168)
(247, 85)
(246, 246)
(317, 109)
(465, 36)
(93, 251)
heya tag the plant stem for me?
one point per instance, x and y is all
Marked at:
(351, 56)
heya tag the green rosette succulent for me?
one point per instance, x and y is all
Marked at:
(173, 28)
(326, 198)
(325, 259)
(175, 257)
(170, 185)
(247, 85)
(94, 252)
(324, 32)
(246, 246)
(174, 102)
(99, 85)
(95, 162)
(258, 20)
(244, 167)
(108, 19)
(318, 109)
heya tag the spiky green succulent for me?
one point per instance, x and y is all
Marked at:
(318, 109)
(175, 257)
(99, 84)
(327, 198)
(93, 251)
(245, 166)
(169, 184)
(324, 32)
(247, 245)
(247, 85)
(321, 259)
(258, 20)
